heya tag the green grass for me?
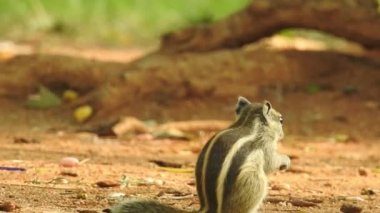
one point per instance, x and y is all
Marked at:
(121, 22)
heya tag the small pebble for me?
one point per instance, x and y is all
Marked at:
(59, 180)
(82, 196)
(107, 183)
(7, 207)
(372, 105)
(349, 208)
(282, 186)
(191, 182)
(368, 192)
(115, 197)
(159, 182)
(21, 140)
(145, 137)
(362, 171)
(69, 162)
(145, 182)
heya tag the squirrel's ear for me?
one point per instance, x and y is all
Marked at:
(241, 103)
(266, 107)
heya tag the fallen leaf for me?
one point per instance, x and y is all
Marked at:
(44, 99)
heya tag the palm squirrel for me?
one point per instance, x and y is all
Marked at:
(232, 168)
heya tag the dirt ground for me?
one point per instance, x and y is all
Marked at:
(324, 173)
(333, 140)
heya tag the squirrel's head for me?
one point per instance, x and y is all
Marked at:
(262, 114)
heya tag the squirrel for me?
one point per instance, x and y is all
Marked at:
(232, 168)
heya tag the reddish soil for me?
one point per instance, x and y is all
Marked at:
(322, 171)
(333, 139)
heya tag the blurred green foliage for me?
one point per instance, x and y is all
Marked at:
(107, 21)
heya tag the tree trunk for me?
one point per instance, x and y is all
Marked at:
(355, 20)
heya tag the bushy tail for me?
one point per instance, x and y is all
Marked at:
(142, 206)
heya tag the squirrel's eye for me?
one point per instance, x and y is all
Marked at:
(281, 120)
